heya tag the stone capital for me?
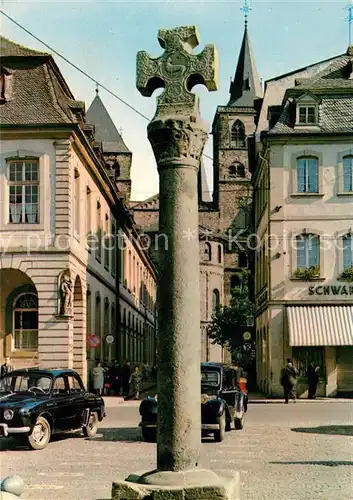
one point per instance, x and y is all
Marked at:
(178, 141)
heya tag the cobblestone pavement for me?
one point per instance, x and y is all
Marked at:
(285, 452)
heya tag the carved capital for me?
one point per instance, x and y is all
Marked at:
(177, 141)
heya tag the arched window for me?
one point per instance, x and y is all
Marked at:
(208, 251)
(234, 281)
(348, 174)
(116, 168)
(215, 300)
(219, 254)
(238, 135)
(77, 200)
(88, 311)
(308, 251)
(232, 171)
(308, 175)
(25, 311)
(347, 251)
(240, 170)
(242, 260)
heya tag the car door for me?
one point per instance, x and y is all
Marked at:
(62, 399)
(229, 392)
(77, 393)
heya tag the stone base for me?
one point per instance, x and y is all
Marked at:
(195, 484)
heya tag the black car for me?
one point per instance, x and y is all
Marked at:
(223, 403)
(36, 403)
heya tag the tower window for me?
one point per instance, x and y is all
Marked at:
(238, 135)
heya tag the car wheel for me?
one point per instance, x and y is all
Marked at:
(239, 423)
(90, 430)
(220, 433)
(149, 434)
(40, 435)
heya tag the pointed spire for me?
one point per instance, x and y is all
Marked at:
(105, 129)
(246, 86)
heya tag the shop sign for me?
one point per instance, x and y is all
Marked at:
(339, 290)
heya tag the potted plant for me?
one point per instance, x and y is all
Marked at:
(347, 274)
(307, 273)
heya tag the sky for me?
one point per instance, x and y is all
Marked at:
(103, 37)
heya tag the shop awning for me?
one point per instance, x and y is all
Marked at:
(320, 325)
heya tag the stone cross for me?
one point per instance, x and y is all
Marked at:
(177, 70)
(177, 135)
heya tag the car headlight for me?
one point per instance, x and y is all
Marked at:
(8, 414)
(204, 398)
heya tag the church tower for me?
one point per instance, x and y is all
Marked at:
(115, 152)
(232, 125)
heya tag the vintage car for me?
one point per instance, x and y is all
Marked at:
(37, 403)
(223, 403)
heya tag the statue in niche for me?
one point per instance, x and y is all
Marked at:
(66, 294)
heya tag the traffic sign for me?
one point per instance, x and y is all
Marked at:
(109, 339)
(246, 336)
(93, 341)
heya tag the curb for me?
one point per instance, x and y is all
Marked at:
(300, 401)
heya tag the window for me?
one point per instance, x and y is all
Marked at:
(308, 175)
(207, 252)
(24, 192)
(347, 251)
(99, 233)
(307, 115)
(107, 243)
(74, 384)
(238, 135)
(308, 254)
(242, 260)
(232, 171)
(77, 204)
(303, 356)
(25, 312)
(59, 386)
(98, 323)
(113, 240)
(215, 300)
(219, 254)
(88, 217)
(348, 174)
(234, 281)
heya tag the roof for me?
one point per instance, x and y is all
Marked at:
(9, 48)
(35, 90)
(245, 87)
(333, 84)
(105, 129)
(276, 89)
(54, 372)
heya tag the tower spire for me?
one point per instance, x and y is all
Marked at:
(246, 9)
(349, 18)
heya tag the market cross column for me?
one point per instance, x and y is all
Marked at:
(178, 135)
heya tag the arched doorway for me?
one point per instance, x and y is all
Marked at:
(79, 330)
(19, 313)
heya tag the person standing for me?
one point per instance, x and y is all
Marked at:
(98, 378)
(313, 379)
(125, 375)
(6, 367)
(135, 381)
(289, 381)
(116, 378)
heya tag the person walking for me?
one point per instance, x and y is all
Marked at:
(135, 381)
(116, 378)
(6, 367)
(98, 378)
(289, 381)
(313, 379)
(125, 375)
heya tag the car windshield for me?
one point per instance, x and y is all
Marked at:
(35, 383)
(210, 378)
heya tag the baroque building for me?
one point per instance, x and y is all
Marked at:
(225, 220)
(302, 166)
(63, 182)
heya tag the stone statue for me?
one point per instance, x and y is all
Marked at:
(66, 294)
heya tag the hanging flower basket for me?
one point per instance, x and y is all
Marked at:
(347, 275)
(307, 274)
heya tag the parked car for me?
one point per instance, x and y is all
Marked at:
(37, 403)
(223, 403)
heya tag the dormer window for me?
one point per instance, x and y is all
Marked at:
(307, 115)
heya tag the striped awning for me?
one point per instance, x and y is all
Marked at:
(320, 325)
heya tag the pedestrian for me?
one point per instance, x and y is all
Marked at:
(154, 373)
(98, 378)
(6, 367)
(116, 373)
(135, 381)
(125, 375)
(289, 381)
(313, 379)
